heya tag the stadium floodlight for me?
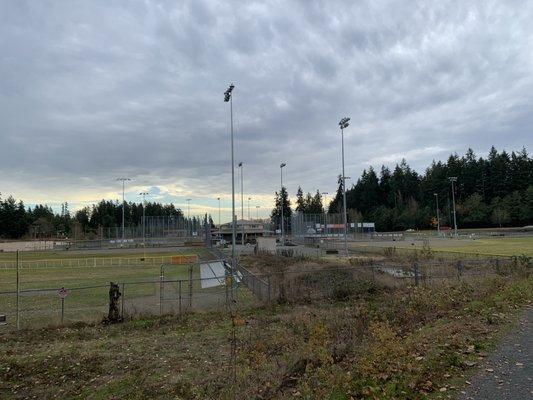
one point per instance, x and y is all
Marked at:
(123, 180)
(257, 212)
(453, 179)
(281, 203)
(228, 97)
(343, 125)
(438, 217)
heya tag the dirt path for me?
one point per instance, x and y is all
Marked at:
(508, 373)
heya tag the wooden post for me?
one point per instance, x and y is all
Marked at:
(417, 273)
(459, 270)
(190, 285)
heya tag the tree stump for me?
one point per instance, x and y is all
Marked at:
(114, 296)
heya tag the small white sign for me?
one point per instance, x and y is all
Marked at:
(62, 293)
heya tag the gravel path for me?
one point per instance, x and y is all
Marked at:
(508, 373)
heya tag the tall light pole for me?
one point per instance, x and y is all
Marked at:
(242, 201)
(325, 195)
(281, 203)
(143, 194)
(249, 218)
(218, 198)
(438, 218)
(228, 97)
(189, 226)
(257, 212)
(344, 123)
(453, 179)
(123, 180)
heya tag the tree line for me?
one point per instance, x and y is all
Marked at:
(17, 221)
(495, 191)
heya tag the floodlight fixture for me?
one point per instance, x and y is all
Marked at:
(227, 93)
(343, 123)
(229, 98)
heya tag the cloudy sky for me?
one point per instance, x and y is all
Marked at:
(95, 90)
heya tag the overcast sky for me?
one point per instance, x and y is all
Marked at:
(95, 90)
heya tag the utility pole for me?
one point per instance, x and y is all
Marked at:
(242, 202)
(281, 202)
(189, 215)
(325, 195)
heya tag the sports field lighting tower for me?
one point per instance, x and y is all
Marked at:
(343, 124)
(257, 212)
(325, 195)
(281, 203)
(123, 180)
(228, 97)
(453, 179)
(144, 194)
(218, 198)
(249, 218)
(438, 217)
(241, 166)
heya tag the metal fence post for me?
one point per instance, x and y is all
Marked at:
(268, 288)
(17, 299)
(122, 305)
(161, 291)
(417, 273)
(190, 285)
(62, 310)
(179, 295)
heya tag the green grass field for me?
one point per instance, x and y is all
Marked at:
(485, 246)
(88, 286)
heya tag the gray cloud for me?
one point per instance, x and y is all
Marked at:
(95, 90)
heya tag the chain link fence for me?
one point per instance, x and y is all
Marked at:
(185, 288)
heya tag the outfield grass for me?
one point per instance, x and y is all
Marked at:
(382, 343)
(485, 246)
(54, 255)
(88, 287)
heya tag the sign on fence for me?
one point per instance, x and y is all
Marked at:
(62, 293)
